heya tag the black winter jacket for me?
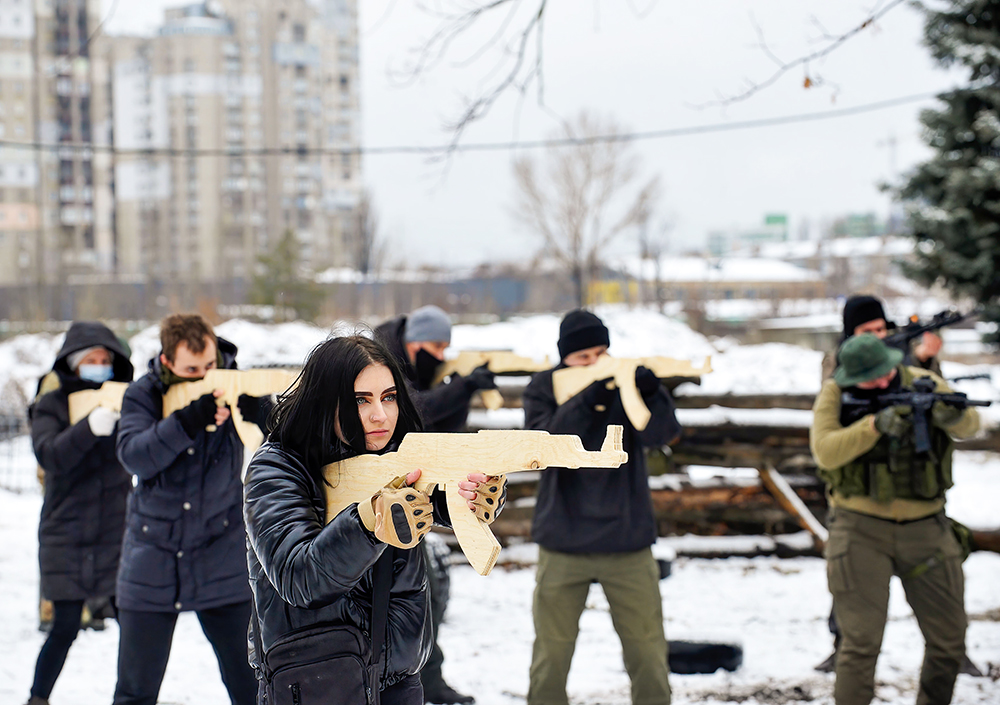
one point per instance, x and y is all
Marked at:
(83, 513)
(444, 407)
(306, 572)
(185, 545)
(596, 510)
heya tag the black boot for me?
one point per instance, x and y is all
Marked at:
(970, 669)
(444, 694)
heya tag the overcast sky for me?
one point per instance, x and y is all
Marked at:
(648, 72)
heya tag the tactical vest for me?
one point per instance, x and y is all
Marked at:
(893, 470)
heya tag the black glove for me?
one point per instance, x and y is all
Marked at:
(646, 381)
(481, 378)
(598, 394)
(255, 409)
(894, 420)
(197, 415)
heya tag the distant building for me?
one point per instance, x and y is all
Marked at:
(267, 92)
(56, 208)
(851, 265)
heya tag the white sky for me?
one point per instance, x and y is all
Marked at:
(647, 73)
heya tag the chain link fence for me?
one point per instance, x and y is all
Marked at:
(18, 469)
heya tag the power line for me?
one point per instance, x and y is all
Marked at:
(476, 146)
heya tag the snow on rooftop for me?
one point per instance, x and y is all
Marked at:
(725, 269)
(841, 247)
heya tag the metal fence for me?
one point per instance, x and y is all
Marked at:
(18, 469)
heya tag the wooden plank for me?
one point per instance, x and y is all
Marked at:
(109, 396)
(447, 458)
(570, 381)
(790, 501)
(255, 383)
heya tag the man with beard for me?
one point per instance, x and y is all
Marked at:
(418, 342)
(887, 518)
(185, 544)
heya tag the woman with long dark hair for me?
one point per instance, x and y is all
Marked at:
(325, 587)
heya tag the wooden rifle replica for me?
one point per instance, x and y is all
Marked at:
(445, 459)
(109, 395)
(570, 381)
(500, 362)
(254, 383)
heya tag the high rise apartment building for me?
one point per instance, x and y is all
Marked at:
(236, 123)
(180, 157)
(56, 212)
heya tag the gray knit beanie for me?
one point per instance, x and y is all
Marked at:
(427, 324)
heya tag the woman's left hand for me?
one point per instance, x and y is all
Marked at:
(484, 494)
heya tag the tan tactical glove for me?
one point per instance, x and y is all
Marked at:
(490, 498)
(398, 515)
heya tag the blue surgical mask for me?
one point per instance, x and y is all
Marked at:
(95, 373)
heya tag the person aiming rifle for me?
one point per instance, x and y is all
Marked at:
(886, 488)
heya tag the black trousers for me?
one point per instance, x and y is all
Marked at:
(145, 647)
(65, 627)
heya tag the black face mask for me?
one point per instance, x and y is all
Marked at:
(427, 366)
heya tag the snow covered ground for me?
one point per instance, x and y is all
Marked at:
(776, 609)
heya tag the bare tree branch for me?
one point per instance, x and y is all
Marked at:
(590, 195)
(802, 61)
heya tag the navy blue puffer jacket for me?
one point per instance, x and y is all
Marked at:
(185, 545)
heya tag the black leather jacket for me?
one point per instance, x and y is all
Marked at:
(305, 572)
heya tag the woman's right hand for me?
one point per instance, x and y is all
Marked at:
(399, 515)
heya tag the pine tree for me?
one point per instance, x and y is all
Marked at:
(953, 199)
(280, 283)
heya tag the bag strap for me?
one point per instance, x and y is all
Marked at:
(381, 583)
(258, 646)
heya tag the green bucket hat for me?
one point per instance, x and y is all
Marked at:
(864, 358)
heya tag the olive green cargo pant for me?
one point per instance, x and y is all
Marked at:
(631, 585)
(863, 554)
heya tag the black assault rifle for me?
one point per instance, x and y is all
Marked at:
(921, 398)
(914, 329)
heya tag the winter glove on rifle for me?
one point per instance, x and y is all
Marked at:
(256, 409)
(102, 421)
(892, 421)
(646, 381)
(198, 414)
(945, 415)
(598, 394)
(490, 498)
(481, 378)
(397, 515)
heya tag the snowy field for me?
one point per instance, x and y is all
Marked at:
(776, 609)
(770, 368)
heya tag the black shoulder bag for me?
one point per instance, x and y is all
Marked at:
(329, 664)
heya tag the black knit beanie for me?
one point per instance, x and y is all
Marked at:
(580, 330)
(861, 309)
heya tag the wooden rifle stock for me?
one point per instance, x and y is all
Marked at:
(254, 383)
(109, 395)
(570, 381)
(445, 459)
(499, 362)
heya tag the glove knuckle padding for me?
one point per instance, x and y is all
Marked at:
(490, 498)
(402, 516)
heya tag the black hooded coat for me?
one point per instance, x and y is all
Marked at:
(83, 513)
(184, 546)
(443, 408)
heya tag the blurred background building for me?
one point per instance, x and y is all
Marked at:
(182, 157)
